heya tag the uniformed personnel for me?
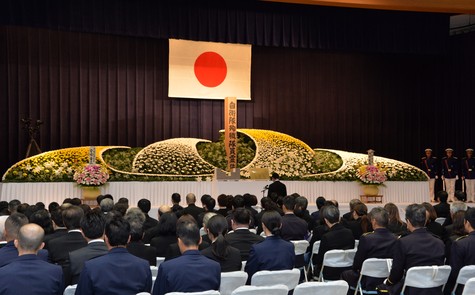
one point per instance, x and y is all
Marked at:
(429, 165)
(468, 174)
(450, 172)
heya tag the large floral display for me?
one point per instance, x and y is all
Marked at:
(196, 159)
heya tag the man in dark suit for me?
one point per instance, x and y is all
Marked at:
(117, 272)
(9, 252)
(376, 244)
(293, 228)
(28, 274)
(145, 206)
(192, 209)
(176, 208)
(419, 248)
(337, 237)
(462, 252)
(316, 215)
(241, 238)
(59, 248)
(92, 227)
(277, 187)
(443, 208)
(58, 225)
(135, 218)
(191, 272)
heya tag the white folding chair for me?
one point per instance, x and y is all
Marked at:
(209, 292)
(357, 242)
(426, 277)
(464, 275)
(322, 288)
(160, 260)
(253, 230)
(301, 247)
(143, 293)
(70, 290)
(154, 270)
(315, 248)
(203, 232)
(469, 288)
(440, 220)
(337, 258)
(243, 265)
(261, 290)
(290, 278)
(230, 281)
(375, 268)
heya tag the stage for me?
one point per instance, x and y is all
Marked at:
(159, 193)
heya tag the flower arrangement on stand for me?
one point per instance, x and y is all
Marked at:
(371, 177)
(90, 177)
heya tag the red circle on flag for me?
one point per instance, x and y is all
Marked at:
(210, 69)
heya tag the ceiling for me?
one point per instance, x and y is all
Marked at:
(444, 6)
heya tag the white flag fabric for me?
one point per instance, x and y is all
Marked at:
(209, 70)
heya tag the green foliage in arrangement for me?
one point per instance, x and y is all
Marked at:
(215, 153)
(326, 161)
(121, 158)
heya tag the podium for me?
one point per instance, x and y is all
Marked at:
(371, 198)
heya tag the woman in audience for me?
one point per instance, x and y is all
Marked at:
(432, 226)
(267, 205)
(43, 219)
(359, 224)
(395, 225)
(457, 231)
(220, 251)
(166, 230)
(204, 229)
(273, 253)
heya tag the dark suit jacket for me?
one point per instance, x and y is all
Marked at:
(9, 253)
(191, 272)
(442, 210)
(419, 248)
(277, 187)
(273, 253)
(293, 228)
(149, 222)
(117, 272)
(193, 211)
(462, 254)
(139, 249)
(437, 230)
(355, 226)
(56, 234)
(232, 262)
(78, 257)
(337, 237)
(30, 275)
(59, 249)
(162, 243)
(243, 239)
(174, 251)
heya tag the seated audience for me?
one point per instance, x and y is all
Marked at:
(107, 205)
(92, 227)
(274, 253)
(419, 248)
(224, 204)
(13, 206)
(165, 234)
(136, 218)
(241, 238)
(349, 215)
(9, 252)
(192, 209)
(206, 218)
(4, 208)
(454, 208)
(249, 201)
(376, 244)
(460, 196)
(432, 226)
(220, 251)
(145, 206)
(316, 215)
(443, 208)
(457, 231)
(395, 225)
(208, 205)
(118, 271)
(359, 222)
(462, 252)
(174, 249)
(238, 202)
(191, 272)
(293, 228)
(301, 211)
(337, 237)
(28, 274)
(58, 226)
(176, 208)
(43, 219)
(60, 247)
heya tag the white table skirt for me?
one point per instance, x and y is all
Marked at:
(159, 192)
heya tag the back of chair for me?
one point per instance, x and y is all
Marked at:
(464, 275)
(230, 281)
(154, 270)
(143, 293)
(469, 288)
(300, 246)
(440, 220)
(376, 267)
(322, 288)
(426, 276)
(160, 260)
(261, 290)
(209, 292)
(339, 258)
(289, 278)
(70, 290)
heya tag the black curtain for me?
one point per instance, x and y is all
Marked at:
(93, 89)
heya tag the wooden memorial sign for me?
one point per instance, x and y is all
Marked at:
(230, 131)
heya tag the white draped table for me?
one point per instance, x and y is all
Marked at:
(159, 192)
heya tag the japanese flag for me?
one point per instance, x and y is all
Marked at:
(209, 70)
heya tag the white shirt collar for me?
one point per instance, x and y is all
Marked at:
(96, 241)
(74, 231)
